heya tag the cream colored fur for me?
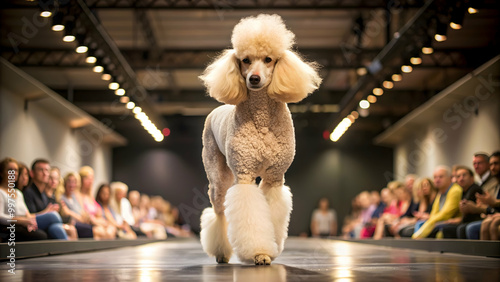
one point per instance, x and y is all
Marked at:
(252, 137)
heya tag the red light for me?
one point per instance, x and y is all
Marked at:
(326, 135)
(166, 131)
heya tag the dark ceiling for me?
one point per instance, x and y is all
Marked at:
(157, 49)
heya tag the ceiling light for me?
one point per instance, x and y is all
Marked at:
(124, 99)
(472, 10)
(137, 110)
(364, 104)
(68, 31)
(406, 68)
(81, 47)
(377, 91)
(57, 22)
(91, 58)
(361, 71)
(355, 114)
(397, 77)
(114, 85)
(120, 92)
(415, 60)
(130, 105)
(106, 76)
(387, 84)
(441, 31)
(372, 99)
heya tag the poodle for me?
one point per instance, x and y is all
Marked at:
(251, 136)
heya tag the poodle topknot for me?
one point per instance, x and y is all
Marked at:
(261, 35)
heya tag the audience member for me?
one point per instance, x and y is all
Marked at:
(24, 177)
(324, 220)
(123, 228)
(391, 211)
(425, 195)
(410, 182)
(72, 207)
(481, 165)
(454, 169)
(380, 206)
(47, 214)
(55, 186)
(120, 204)
(445, 206)
(90, 205)
(490, 225)
(152, 227)
(464, 178)
(26, 227)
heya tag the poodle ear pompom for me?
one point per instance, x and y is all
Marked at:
(293, 79)
(223, 79)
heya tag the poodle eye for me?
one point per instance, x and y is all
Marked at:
(246, 61)
(268, 60)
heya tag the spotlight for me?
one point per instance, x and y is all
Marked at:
(91, 57)
(124, 99)
(441, 31)
(130, 105)
(98, 66)
(137, 110)
(81, 47)
(46, 8)
(114, 85)
(406, 67)
(387, 84)
(57, 22)
(361, 71)
(364, 104)
(68, 32)
(473, 6)
(415, 58)
(372, 99)
(472, 10)
(457, 16)
(397, 77)
(377, 91)
(120, 92)
(427, 46)
(355, 114)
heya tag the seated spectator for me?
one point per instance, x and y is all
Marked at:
(147, 222)
(425, 195)
(72, 207)
(487, 182)
(26, 227)
(380, 206)
(464, 178)
(55, 184)
(120, 204)
(391, 211)
(445, 206)
(487, 203)
(90, 205)
(490, 225)
(352, 220)
(324, 220)
(123, 229)
(24, 177)
(47, 214)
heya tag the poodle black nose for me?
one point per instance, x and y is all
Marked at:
(254, 79)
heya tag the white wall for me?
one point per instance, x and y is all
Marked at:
(455, 137)
(36, 133)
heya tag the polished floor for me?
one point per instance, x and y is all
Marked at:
(303, 260)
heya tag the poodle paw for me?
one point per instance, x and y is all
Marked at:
(221, 259)
(262, 260)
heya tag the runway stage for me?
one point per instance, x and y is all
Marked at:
(303, 260)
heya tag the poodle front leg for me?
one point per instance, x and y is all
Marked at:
(279, 198)
(250, 228)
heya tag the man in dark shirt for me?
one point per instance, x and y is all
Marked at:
(465, 178)
(34, 196)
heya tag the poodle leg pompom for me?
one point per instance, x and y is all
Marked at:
(280, 199)
(213, 236)
(250, 228)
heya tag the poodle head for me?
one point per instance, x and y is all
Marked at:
(261, 57)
